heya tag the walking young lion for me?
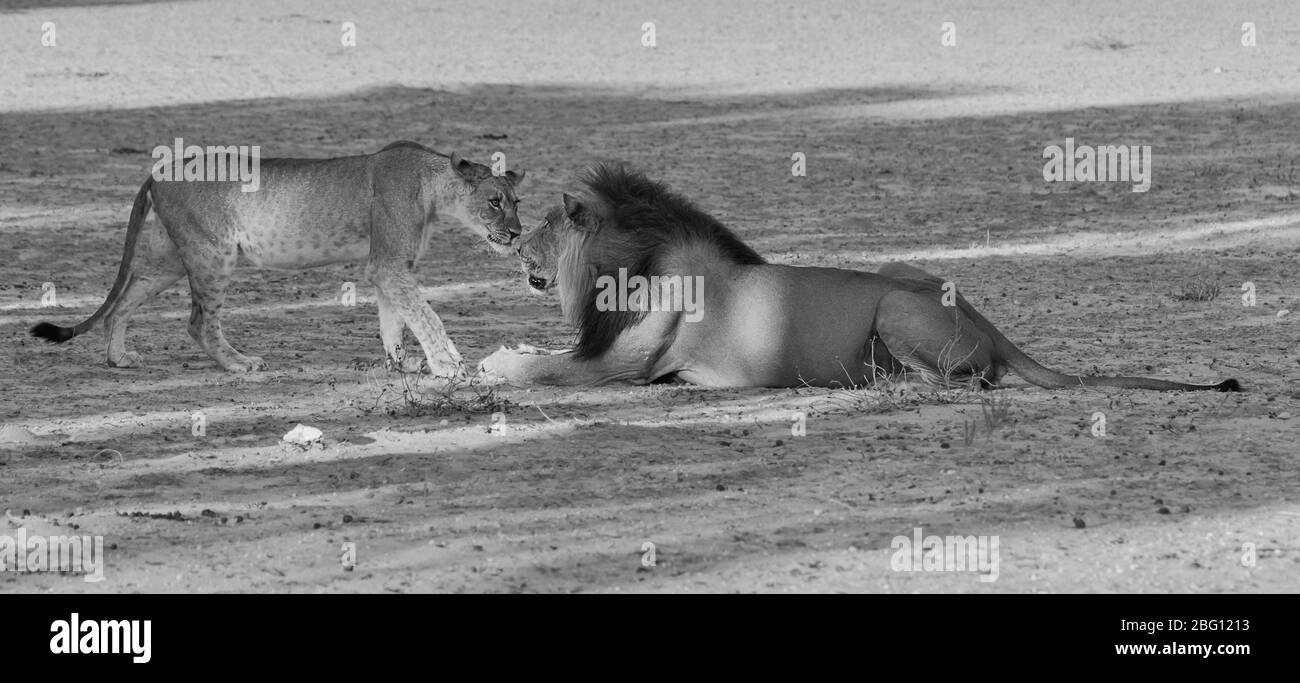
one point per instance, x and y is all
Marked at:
(750, 323)
(308, 212)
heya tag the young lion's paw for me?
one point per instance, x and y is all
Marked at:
(129, 359)
(245, 364)
(410, 365)
(447, 376)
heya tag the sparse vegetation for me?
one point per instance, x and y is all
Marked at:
(968, 432)
(1210, 170)
(402, 395)
(995, 408)
(1106, 43)
(1286, 172)
(1198, 290)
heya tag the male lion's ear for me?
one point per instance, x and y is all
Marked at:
(469, 170)
(571, 205)
(515, 178)
(578, 212)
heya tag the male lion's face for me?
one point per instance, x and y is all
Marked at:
(539, 251)
(492, 204)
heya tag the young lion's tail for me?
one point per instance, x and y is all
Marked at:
(59, 334)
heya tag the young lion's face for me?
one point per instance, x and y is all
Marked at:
(491, 205)
(539, 251)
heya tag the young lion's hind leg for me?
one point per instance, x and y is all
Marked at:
(208, 282)
(138, 290)
(155, 266)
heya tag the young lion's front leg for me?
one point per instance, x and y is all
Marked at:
(400, 294)
(391, 326)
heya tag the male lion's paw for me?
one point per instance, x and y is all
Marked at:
(529, 350)
(504, 365)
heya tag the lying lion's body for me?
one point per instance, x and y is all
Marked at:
(761, 324)
(378, 208)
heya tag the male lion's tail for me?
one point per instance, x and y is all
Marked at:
(58, 334)
(1029, 369)
(1034, 373)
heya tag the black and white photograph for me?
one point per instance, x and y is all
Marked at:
(650, 296)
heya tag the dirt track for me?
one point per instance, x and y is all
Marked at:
(563, 497)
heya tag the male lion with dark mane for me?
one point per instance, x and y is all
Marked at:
(378, 208)
(757, 324)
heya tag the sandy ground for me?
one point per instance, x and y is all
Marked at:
(915, 152)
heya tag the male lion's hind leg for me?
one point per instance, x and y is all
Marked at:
(403, 295)
(937, 345)
(880, 369)
(208, 295)
(391, 327)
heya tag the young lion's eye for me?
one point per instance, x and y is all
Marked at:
(495, 202)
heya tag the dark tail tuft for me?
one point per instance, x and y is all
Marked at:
(1228, 385)
(53, 333)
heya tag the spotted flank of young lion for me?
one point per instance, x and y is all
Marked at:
(376, 208)
(763, 324)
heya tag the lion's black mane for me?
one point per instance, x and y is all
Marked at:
(645, 222)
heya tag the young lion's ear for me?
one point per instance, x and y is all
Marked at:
(515, 178)
(578, 212)
(469, 170)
